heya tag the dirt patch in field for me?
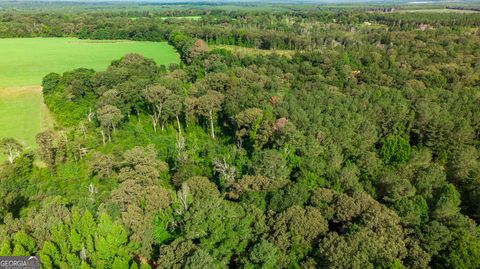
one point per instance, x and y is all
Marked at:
(13, 92)
(46, 119)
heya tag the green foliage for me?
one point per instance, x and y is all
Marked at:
(161, 227)
(49, 83)
(87, 242)
(361, 155)
(395, 150)
(222, 228)
(200, 259)
(464, 252)
(413, 211)
(263, 255)
(447, 203)
(271, 164)
(293, 194)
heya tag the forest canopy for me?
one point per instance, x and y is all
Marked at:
(357, 150)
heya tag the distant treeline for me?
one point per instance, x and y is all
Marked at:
(302, 30)
(464, 8)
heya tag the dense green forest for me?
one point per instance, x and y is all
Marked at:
(359, 150)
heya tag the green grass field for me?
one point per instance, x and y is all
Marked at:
(23, 114)
(25, 61)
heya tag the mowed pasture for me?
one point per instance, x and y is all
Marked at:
(25, 61)
(23, 113)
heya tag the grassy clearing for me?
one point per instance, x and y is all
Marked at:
(245, 51)
(185, 18)
(23, 114)
(25, 61)
(436, 10)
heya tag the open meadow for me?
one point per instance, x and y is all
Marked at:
(23, 113)
(25, 61)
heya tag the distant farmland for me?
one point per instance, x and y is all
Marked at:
(25, 61)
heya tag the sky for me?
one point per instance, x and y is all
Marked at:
(233, 1)
(260, 1)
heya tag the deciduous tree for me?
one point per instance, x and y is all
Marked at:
(208, 105)
(11, 148)
(156, 96)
